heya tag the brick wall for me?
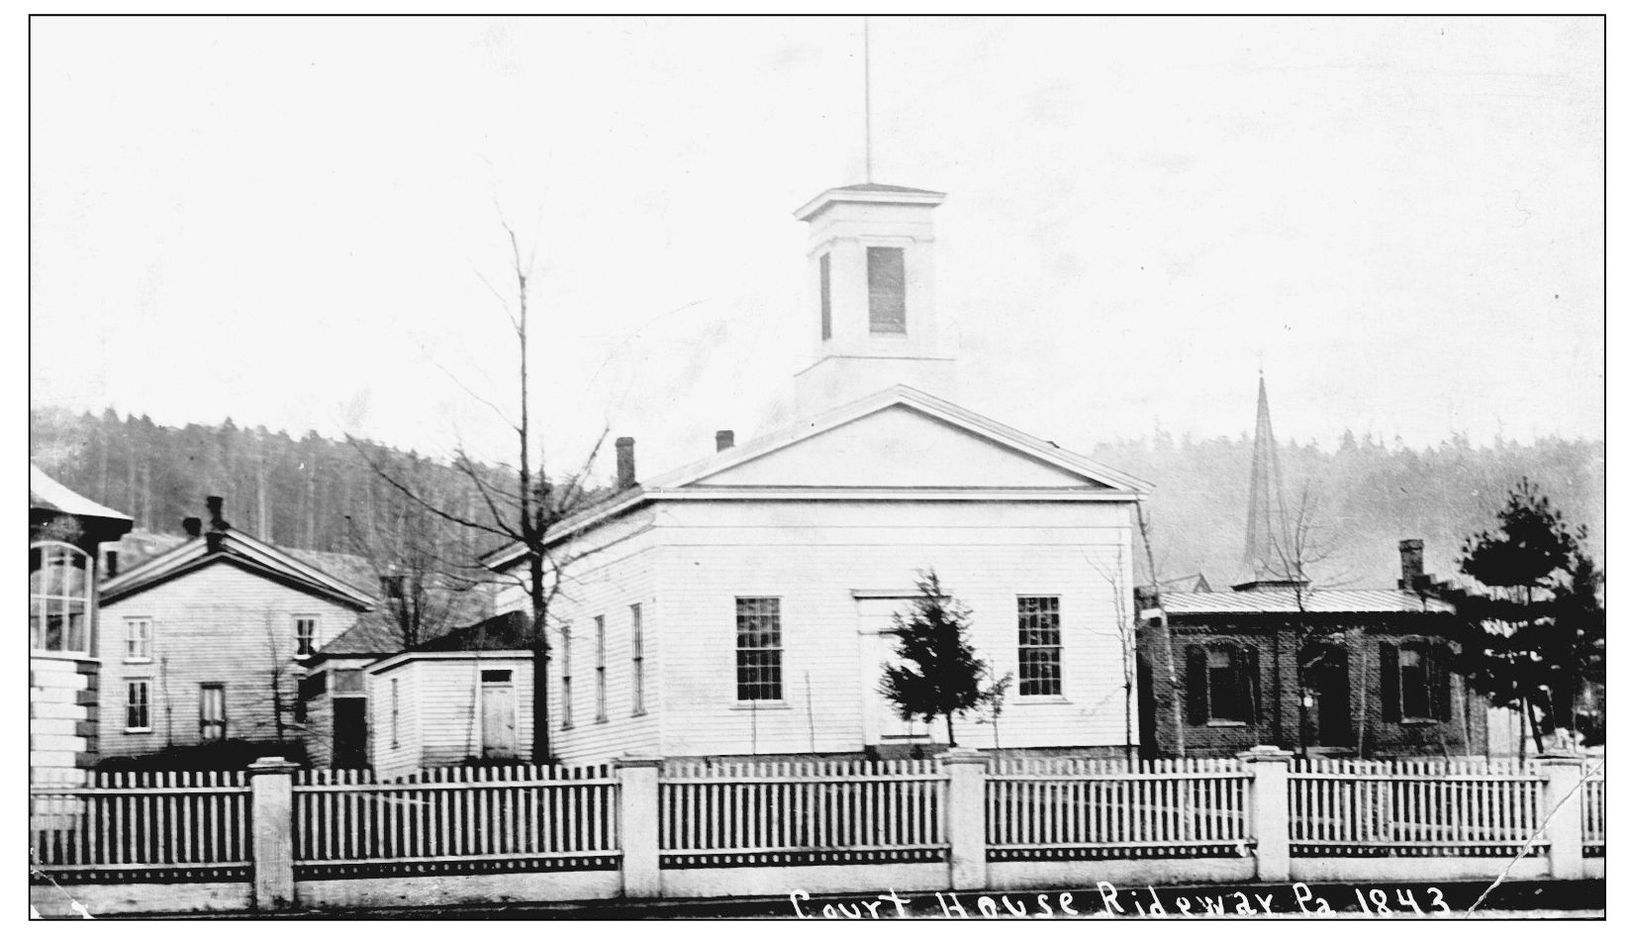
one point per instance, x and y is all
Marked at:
(1277, 720)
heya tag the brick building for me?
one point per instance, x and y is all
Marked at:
(1377, 674)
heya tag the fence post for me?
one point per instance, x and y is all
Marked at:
(1269, 800)
(1563, 804)
(639, 817)
(964, 819)
(271, 801)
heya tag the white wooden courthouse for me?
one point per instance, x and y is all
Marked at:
(739, 606)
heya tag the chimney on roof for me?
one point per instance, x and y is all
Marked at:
(625, 475)
(192, 526)
(1413, 576)
(216, 521)
(112, 563)
(726, 439)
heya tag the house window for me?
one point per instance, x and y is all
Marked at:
(59, 598)
(638, 660)
(138, 706)
(599, 670)
(211, 712)
(395, 712)
(1414, 683)
(1040, 647)
(496, 677)
(305, 636)
(565, 677)
(757, 648)
(825, 296)
(349, 681)
(885, 267)
(138, 631)
(1222, 684)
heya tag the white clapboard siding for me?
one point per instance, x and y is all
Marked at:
(219, 624)
(607, 583)
(813, 555)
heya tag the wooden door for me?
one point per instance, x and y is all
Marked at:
(350, 732)
(498, 739)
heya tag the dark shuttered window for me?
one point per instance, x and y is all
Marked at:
(1415, 681)
(886, 279)
(1223, 683)
(825, 296)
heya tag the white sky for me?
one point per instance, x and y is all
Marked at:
(285, 221)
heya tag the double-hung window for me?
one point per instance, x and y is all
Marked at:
(138, 638)
(600, 714)
(138, 715)
(1040, 647)
(565, 676)
(211, 712)
(757, 648)
(305, 636)
(638, 659)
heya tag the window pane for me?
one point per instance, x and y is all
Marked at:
(757, 648)
(886, 279)
(349, 682)
(1040, 653)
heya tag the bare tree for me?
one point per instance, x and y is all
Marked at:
(427, 574)
(1177, 691)
(524, 516)
(1125, 636)
(1301, 544)
(279, 672)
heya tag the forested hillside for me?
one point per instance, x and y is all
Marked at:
(1365, 495)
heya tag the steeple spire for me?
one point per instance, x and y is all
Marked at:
(1262, 560)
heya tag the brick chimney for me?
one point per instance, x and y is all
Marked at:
(192, 526)
(726, 439)
(217, 523)
(1413, 576)
(625, 475)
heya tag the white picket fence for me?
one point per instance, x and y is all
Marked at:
(1447, 807)
(181, 825)
(1594, 808)
(451, 819)
(1045, 808)
(801, 813)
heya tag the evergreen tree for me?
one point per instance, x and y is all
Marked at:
(1534, 630)
(939, 673)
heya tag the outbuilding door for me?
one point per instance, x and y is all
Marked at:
(498, 739)
(350, 732)
(877, 648)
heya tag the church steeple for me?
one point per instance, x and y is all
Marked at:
(1263, 559)
(873, 323)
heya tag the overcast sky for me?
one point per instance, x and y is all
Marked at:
(289, 221)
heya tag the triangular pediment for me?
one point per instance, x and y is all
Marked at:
(903, 438)
(896, 447)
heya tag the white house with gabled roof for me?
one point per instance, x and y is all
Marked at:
(739, 606)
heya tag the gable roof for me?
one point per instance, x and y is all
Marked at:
(1096, 481)
(241, 550)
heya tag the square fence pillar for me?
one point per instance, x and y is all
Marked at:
(271, 800)
(964, 818)
(639, 818)
(1563, 805)
(1269, 801)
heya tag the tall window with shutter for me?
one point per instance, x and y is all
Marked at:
(825, 296)
(885, 276)
(565, 676)
(1223, 684)
(1415, 681)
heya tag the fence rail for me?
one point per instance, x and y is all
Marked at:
(170, 825)
(451, 820)
(1163, 809)
(1411, 809)
(790, 813)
